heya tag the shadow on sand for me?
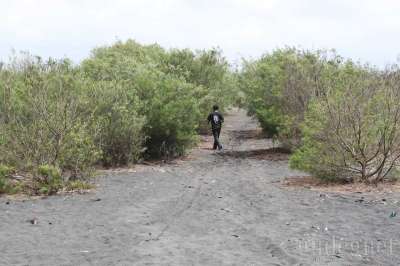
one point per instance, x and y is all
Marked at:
(271, 154)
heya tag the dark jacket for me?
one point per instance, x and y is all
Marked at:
(216, 119)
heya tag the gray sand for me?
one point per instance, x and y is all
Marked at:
(219, 208)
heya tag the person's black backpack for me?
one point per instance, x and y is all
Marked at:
(216, 120)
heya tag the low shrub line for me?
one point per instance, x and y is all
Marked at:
(123, 103)
(340, 118)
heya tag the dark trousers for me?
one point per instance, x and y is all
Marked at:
(216, 132)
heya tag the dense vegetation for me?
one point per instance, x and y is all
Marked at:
(128, 102)
(341, 119)
(123, 103)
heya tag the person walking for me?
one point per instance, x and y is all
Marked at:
(216, 119)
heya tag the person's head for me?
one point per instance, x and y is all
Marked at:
(215, 107)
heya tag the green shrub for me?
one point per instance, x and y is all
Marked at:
(352, 132)
(78, 185)
(117, 127)
(6, 185)
(172, 117)
(48, 179)
(78, 153)
(45, 122)
(3, 185)
(279, 87)
(49, 173)
(171, 92)
(214, 82)
(124, 102)
(341, 119)
(6, 171)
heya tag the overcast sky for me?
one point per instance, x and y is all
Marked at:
(366, 30)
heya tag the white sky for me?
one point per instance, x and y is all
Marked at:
(366, 30)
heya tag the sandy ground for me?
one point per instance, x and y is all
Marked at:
(218, 208)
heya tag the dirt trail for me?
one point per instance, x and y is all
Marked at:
(219, 208)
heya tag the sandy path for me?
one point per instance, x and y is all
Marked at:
(224, 208)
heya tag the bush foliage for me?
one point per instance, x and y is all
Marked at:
(42, 120)
(6, 185)
(352, 131)
(128, 101)
(340, 118)
(124, 102)
(279, 87)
